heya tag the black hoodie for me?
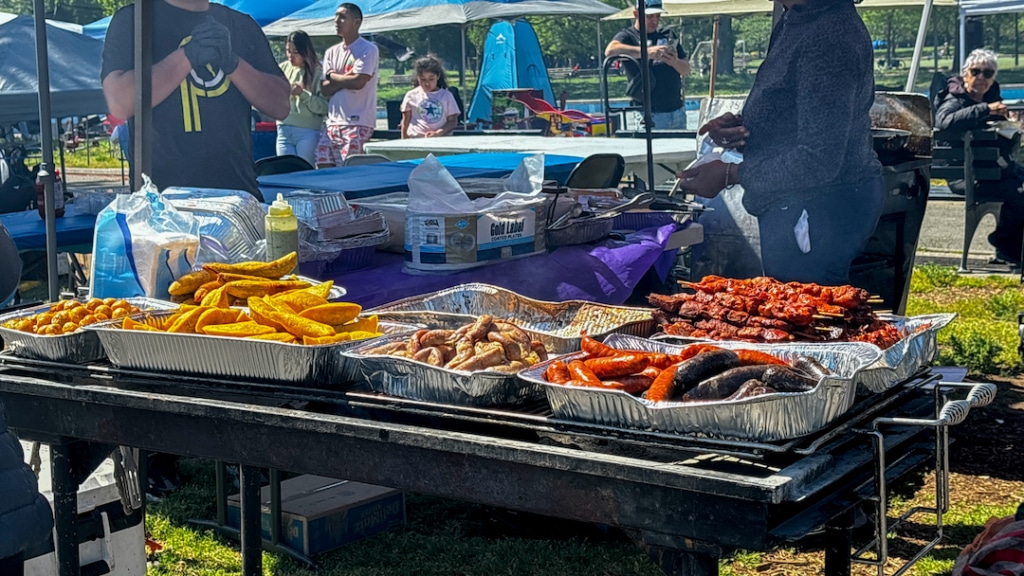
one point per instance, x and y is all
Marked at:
(958, 111)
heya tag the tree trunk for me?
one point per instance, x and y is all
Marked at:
(726, 47)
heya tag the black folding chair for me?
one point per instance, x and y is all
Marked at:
(597, 171)
(281, 165)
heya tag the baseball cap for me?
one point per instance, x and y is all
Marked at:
(651, 7)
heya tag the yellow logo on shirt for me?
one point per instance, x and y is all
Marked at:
(194, 87)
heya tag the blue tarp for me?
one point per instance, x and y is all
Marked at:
(74, 72)
(262, 11)
(512, 59)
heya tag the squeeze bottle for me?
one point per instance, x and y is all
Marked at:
(281, 229)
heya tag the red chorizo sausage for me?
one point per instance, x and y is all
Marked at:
(579, 371)
(595, 349)
(557, 373)
(634, 384)
(754, 357)
(615, 366)
(663, 386)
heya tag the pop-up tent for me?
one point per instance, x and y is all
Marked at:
(74, 61)
(262, 11)
(512, 59)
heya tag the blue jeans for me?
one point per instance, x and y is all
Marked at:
(298, 141)
(841, 219)
(674, 120)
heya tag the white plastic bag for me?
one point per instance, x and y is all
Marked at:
(140, 245)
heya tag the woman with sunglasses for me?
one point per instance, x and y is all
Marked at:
(969, 102)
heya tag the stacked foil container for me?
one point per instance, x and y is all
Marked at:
(334, 237)
(230, 222)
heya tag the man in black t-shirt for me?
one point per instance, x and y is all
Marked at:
(211, 65)
(668, 64)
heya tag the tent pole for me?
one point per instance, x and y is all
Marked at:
(142, 140)
(645, 77)
(714, 59)
(962, 42)
(462, 69)
(63, 169)
(46, 176)
(922, 33)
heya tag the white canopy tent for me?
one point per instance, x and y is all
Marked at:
(696, 8)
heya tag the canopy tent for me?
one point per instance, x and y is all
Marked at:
(697, 8)
(512, 59)
(385, 15)
(262, 11)
(74, 61)
(6, 17)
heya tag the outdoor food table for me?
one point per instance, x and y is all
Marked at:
(671, 153)
(385, 177)
(29, 230)
(685, 499)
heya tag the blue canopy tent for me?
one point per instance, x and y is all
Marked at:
(74, 66)
(512, 59)
(262, 11)
(317, 19)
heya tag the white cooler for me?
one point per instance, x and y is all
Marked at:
(112, 543)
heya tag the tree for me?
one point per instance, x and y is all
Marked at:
(755, 30)
(726, 47)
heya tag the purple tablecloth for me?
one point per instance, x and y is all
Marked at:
(604, 272)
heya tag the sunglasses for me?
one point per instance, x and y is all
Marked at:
(986, 72)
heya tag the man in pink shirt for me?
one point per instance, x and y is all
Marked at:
(350, 81)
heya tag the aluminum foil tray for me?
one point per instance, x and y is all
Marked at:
(557, 324)
(917, 349)
(223, 357)
(407, 378)
(769, 418)
(580, 232)
(75, 348)
(329, 257)
(318, 208)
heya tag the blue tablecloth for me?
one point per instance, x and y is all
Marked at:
(29, 230)
(605, 271)
(385, 177)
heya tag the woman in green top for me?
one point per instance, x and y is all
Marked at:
(299, 133)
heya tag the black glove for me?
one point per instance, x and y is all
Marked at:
(212, 35)
(200, 54)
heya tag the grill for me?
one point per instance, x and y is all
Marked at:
(683, 496)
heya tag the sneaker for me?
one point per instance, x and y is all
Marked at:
(1004, 258)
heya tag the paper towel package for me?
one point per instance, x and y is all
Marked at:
(446, 230)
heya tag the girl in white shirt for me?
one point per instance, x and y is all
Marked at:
(429, 110)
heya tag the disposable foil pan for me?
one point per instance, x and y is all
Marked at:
(914, 351)
(580, 232)
(557, 324)
(406, 378)
(74, 348)
(767, 418)
(319, 366)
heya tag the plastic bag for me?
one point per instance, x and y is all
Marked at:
(140, 245)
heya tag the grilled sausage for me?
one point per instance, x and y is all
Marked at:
(811, 367)
(726, 383)
(595, 349)
(557, 373)
(663, 386)
(705, 364)
(579, 371)
(786, 379)
(754, 357)
(634, 384)
(749, 389)
(616, 366)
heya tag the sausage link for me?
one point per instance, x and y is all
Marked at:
(634, 384)
(663, 386)
(749, 389)
(651, 372)
(557, 373)
(811, 367)
(725, 384)
(579, 371)
(704, 365)
(754, 357)
(786, 379)
(615, 366)
(595, 349)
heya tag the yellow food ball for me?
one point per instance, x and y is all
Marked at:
(120, 313)
(44, 318)
(78, 313)
(89, 319)
(68, 327)
(109, 301)
(62, 317)
(99, 316)
(92, 303)
(104, 309)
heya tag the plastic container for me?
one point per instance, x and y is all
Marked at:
(281, 228)
(58, 197)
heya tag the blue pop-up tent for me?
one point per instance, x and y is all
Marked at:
(74, 62)
(512, 59)
(262, 11)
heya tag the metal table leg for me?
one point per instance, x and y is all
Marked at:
(838, 545)
(252, 549)
(65, 509)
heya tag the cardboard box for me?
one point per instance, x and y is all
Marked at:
(319, 514)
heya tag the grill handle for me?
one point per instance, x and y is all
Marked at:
(953, 412)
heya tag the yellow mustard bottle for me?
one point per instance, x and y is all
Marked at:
(281, 229)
